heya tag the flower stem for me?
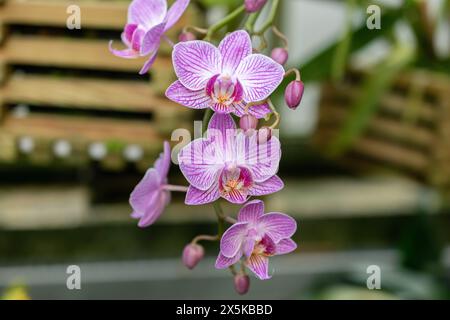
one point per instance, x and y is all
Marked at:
(204, 237)
(220, 218)
(170, 187)
(271, 18)
(206, 117)
(222, 23)
(251, 20)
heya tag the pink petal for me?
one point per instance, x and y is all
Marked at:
(248, 246)
(147, 13)
(162, 164)
(127, 34)
(236, 197)
(259, 111)
(234, 48)
(188, 98)
(233, 238)
(136, 39)
(259, 265)
(277, 226)
(251, 211)
(223, 262)
(195, 62)
(196, 197)
(152, 39)
(142, 193)
(222, 131)
(148, 64)
(262, 159)
(200, 163)
(259, 76)
(126, 53)
(222, 108)
(285, 246)
(175, 12)
(269, 186)
(155, 210)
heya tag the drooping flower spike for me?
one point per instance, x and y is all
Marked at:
(224, 78)
(148, 20)
(151, 196)
(229, 164)
(257, 237)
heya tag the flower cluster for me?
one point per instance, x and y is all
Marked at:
(229, 162)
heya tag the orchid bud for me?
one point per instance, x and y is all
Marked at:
(186, 36)
(294, 93)
(192, 254)
(264, 135)
(248, 123)
(254, 5)
(241, 283)
(280, 55)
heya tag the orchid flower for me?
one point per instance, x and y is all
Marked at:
(226, 78)
(229, 164)
(257, 237)
(152, 194)
(148, 20)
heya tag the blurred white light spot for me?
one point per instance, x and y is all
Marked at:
(97, 150)
(62, 148)
(26, 144)
(133, 152)
(20, 111)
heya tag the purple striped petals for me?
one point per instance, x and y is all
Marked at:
(152, 39)
(269, 186)
(259, 76)
(188, 98)
(147, 13)
(259, 265)
(149, 198)
(285, 246)
(195, 62)
(232, 239)
(251, 211)
(196, 196)
(223, 262)
(175, 12)
(200, 164)
(259, 111)
(277, 226)
(234, 48)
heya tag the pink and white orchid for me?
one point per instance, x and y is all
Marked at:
(148, 20)
(229, 164)
(226, 78)
(257, 237)
(152, 194)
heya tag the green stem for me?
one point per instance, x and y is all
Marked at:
(250, 23)
(206, 117)
(271, 18)
(220, 218)
(222, 23)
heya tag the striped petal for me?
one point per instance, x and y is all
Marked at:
(233, 239)
(147, 13)
(223, 262)
(195, 62)
(196, 196)
(234, 48)
(269, 186)
(259, 76)
(188, 98)
(251, 211)
(277, 226)
(285, 246)
(175, 12)
(259, 265)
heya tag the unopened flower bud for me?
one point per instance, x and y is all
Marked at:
(241, 283)
(280, 55)
(186, 36)
(254, 5)
(293, 94)
(248, 123)
(264, 135)
(192, 254)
